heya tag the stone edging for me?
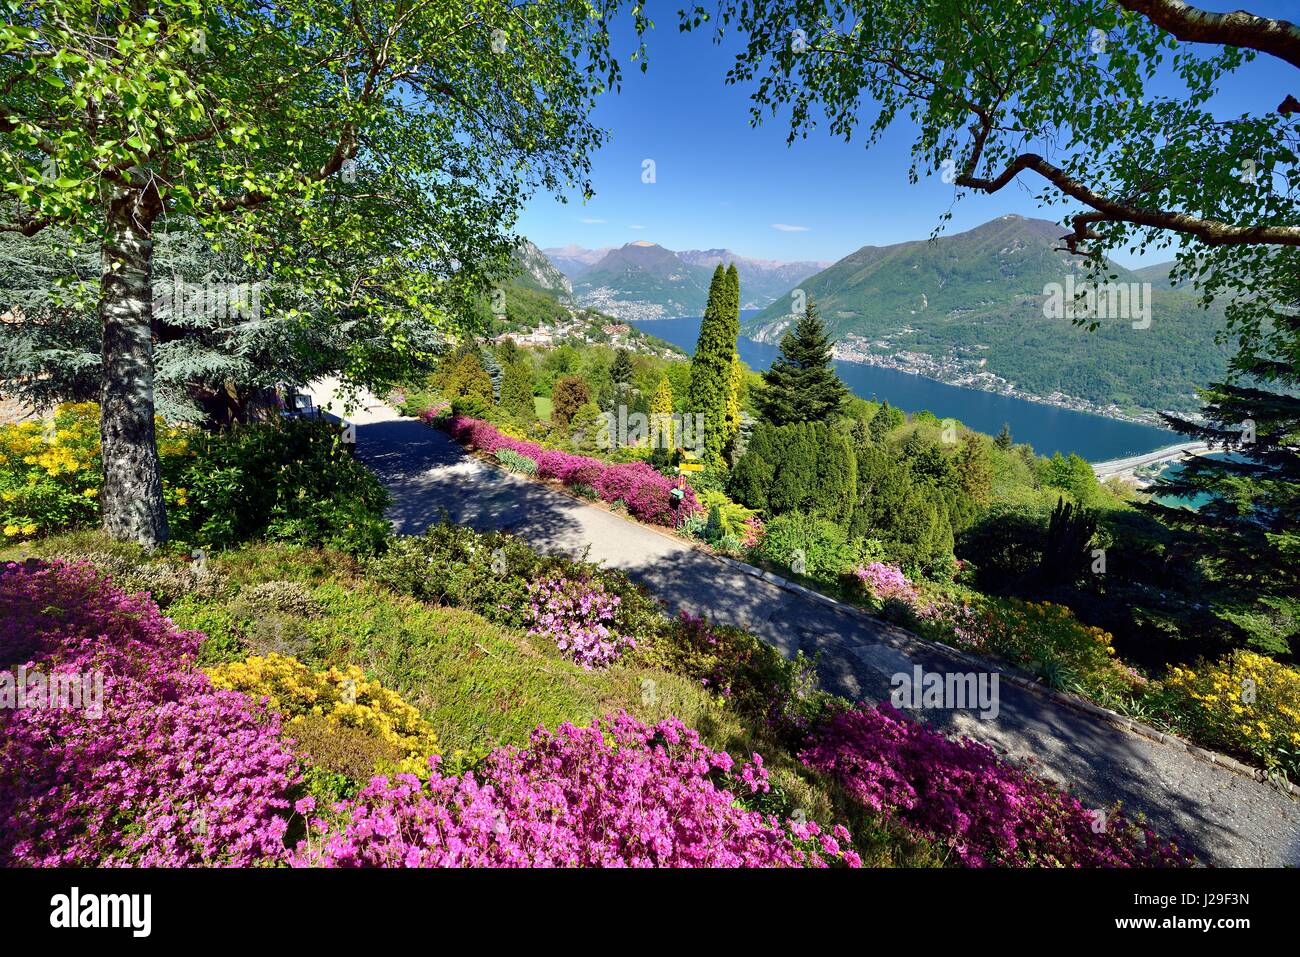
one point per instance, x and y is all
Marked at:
(1019, 678)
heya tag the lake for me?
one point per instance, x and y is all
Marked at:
(1047, 428)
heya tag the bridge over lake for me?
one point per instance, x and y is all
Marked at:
(1105, 470)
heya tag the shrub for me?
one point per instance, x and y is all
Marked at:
(285, 481)
(580, 617)
(884, 582)
(645, 492)
(516, 462)
(822, 545)
(340, 696)
(173, 772)
(615, 794)
(50, 471)
(1043, 637)
(568, 395)
(1247, 704)
(959, 793)
(491, 574)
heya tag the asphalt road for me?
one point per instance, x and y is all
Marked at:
(1225, 818)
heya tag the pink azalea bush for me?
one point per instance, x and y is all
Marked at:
(615, 794)
(646, 492)
(579, 616)
(886, 581)
(171, 773)
(960, 794)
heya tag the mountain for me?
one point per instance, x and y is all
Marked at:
(535, 271)
(643, 280)
(969, 309)
(761, 280)
(572, 260)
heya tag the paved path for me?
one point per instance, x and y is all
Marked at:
(1227, 819)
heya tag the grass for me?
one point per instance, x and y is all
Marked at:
(543, 405)
(479, 685)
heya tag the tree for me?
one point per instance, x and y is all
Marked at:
(661, 421)
(1067, 548)
(620, 370)
(801, 467)
(1065, 92)
(801, 384)
(711, 365)
(468, 379)
(517, 391)
(569, 394)
(886, 419)
(1245, 528)
(1003, 439)
(974, 471)
(398, 137)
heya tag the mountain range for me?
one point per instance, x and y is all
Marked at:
(969, 309)
(643, 280)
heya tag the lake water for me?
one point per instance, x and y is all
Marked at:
(1045, 427)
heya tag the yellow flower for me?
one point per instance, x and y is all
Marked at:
(11, 530)
(29, 528)
(90, 492)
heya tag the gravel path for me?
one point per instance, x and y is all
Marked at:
(1225, 818)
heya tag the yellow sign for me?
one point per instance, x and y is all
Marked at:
(691, 467)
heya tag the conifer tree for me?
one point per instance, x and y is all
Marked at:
(517, 391)
(661, 420)
(801, 384)
(711, 363)
(1246, 527)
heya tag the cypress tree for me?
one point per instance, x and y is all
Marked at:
(569, 394)
(801, 384)
(711, 364)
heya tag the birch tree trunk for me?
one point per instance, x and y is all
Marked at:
(131, 498)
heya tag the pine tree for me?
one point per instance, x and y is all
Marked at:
(974, 473)
(517, 391)
(1247, 529)
(1003, 440)
(801, 384)
(711, 363)
(620, 370)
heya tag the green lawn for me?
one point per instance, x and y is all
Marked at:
(543, 404)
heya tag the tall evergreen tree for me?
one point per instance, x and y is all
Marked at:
(711, 363)
(1003, 440)
(801, 384)
(517, 391)
(620, 370)
(1247, 528)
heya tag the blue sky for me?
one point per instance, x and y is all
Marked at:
(721, 183)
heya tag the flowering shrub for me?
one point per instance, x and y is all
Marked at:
(614, 794)
(172, 772)
(1042, 636)
(1246, 703)
(50, 471)
(960, 794)
(646, 492)
(579, 616)
(751, 536)
(341, 697)
(885, 581)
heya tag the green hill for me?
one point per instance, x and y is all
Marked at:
(975, 301)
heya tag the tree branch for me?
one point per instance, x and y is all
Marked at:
(1281, 38)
